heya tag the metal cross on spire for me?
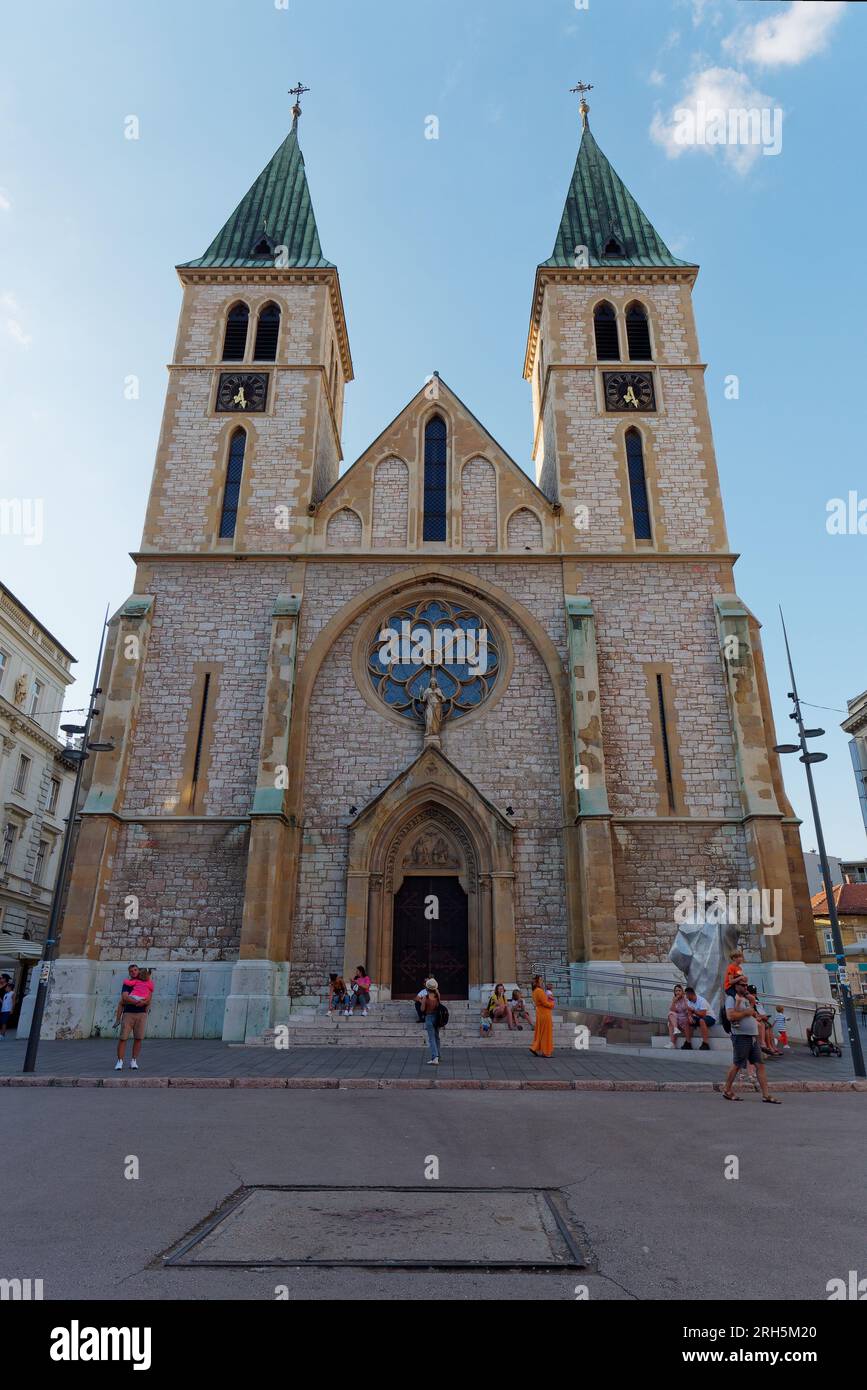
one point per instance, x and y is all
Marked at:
(581, 89)
(297, 92)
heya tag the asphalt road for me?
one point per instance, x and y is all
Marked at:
(643, 1176)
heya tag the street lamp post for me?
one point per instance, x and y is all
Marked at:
(808, 758)
(52, 935)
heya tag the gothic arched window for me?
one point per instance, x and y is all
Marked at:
(234, 473)
(638, 486)
(267, 330)
(434, 525)
(605, 328)
(235, 341)
(638, 334)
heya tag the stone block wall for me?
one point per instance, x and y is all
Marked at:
(216, 614)
(344, 530)
(524, 530)
(188, 879)
(478, 504)
(653, 862)
(654, 614)
(390, 504)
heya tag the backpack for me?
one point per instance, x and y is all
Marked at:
(724, 1018)
(442, 1016)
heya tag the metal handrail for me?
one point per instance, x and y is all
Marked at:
(636, 985)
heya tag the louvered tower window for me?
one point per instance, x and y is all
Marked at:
(234, 473)
(638, 486)
(235, 341)
(434, 528)
(638, 334)
(267, 330)
(605, 327)
(612, 249)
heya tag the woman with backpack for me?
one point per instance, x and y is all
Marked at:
(430, 1007)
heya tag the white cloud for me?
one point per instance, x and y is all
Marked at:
(5, 203)
(656, 78)
(12, 325)
(720, 111)
(702, 8)
(787, 38)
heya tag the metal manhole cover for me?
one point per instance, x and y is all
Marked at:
(393, 1227)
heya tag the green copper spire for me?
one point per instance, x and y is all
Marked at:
(276, 212)
(601, 214)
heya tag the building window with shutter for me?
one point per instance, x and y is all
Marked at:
(638, 334)
(36, 690)
(22, 774)
(53, 795)
(605, 329)
(41, 859)
(235, 341)
(8, 845)
(267, 333)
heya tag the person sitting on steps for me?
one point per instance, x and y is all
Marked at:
(500, 1007)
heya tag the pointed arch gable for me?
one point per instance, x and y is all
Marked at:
(431, 795)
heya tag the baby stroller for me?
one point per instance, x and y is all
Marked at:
(820, 1034)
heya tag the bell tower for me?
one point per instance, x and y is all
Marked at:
(251, 427)
(621, 432)
(672, 732)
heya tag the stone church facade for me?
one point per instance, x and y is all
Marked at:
(275, 806)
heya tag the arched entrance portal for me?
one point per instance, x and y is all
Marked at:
(430, 937)
(430, 917)
(430, 885)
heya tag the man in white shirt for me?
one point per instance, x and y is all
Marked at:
(700, 1017)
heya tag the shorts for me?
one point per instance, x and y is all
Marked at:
(746, 1049)
(134, 1024)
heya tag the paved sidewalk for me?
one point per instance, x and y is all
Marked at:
(188, 1061)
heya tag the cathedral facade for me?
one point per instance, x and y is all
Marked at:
(426, 713)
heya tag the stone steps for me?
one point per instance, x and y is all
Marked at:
(394, 1024)
(369, 1032)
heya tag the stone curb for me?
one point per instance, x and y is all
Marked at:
(400, 1083)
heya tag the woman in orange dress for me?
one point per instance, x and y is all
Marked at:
(543, 1037)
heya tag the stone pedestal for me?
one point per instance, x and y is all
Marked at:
(257, 999)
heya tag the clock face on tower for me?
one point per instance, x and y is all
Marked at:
(242, 391)
(629, 391)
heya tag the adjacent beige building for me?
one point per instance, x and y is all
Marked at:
(35, 783)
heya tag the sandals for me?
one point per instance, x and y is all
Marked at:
(771, 1100)
(729, 1095)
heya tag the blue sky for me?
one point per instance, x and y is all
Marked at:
(437, 242)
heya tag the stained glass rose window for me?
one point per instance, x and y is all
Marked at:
(433, 635)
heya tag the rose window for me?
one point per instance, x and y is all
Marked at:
(448, 639)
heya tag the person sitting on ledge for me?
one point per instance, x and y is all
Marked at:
(678, 1015)
(700, 1017)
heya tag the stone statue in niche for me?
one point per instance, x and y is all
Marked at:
(20, 694)
(433, 701)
